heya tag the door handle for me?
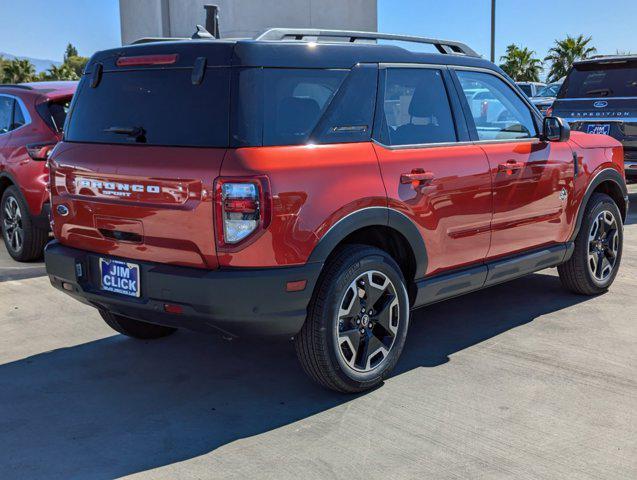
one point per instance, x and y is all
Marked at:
(510, 166)
(417, 178)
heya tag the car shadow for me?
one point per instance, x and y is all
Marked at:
(117, 406)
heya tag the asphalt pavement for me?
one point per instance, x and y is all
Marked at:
(522, 380)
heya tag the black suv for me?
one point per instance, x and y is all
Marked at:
(599, 95)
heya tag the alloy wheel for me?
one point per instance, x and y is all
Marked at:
(603, 246)
(367, 322)
(12, 224)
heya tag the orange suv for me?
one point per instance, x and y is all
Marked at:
(318, 185)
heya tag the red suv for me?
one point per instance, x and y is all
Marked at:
(318, 185)
(31, 120)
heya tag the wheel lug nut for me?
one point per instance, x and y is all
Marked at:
(363, 309)
(358, 321)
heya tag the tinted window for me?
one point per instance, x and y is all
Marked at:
(18, 116)
(527, 89)
(6, 111)
(498, 112)
(596, 80)
(416, 108)
(162, 102)
(294, 101)
(350, 116)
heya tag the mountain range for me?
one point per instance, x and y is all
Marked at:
(40, 64)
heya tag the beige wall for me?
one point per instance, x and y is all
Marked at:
(242, 18)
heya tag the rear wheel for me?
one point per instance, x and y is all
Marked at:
(598, 249)
(24, 241)
(135, 328)
(357, 321)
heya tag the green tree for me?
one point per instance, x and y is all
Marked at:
(70, 51)
(18, 71)
(63, 72)
(2, 69)
(76, 63)
(565, 52)
(520, 64)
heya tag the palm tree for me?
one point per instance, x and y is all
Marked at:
(565, 52)
(18, 71)
(63, 72)
(520, 64)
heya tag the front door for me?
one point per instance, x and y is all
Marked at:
(442, 185)
(532, 178)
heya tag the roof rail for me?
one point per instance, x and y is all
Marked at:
(449, 47)
(16, 85)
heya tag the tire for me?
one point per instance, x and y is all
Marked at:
(357, 277)
(135, 328)
(24, 241)
(582, 273)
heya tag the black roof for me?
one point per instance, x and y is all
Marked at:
(291, 54)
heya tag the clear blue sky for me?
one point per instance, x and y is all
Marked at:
(42, 28)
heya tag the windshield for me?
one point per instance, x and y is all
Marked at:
(617, 79)
(549, 90)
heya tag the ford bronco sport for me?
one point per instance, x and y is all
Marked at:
(31, 120)
(599, 95)
(319, 185)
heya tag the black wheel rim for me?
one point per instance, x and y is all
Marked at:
(12, 224)
(367, 322)
(603, 246)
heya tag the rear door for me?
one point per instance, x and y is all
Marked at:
(532, 179)
(431, 173)
(142, 148)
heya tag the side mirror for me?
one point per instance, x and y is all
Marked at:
(554, 129)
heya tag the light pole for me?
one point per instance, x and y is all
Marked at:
(493, 30)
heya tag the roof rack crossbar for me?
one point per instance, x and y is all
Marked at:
(449, 47)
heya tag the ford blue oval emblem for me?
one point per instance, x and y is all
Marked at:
(63, 210)
(601, 104)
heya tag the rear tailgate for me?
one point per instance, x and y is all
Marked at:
(143, 144)
(150, 203)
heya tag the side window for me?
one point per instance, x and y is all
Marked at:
(294, 101)
(498, 112)
(416, 108)
(18, 116)
(6, 112)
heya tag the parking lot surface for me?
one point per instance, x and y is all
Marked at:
(523, 380)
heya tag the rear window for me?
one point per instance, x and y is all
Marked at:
(153, 107)
(601, 80)
(54, 113)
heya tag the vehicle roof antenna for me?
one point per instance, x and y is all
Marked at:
(201, 33)
(212, 20)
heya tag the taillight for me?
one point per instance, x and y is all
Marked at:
(242, 208)
(40, 151)
(484, 110)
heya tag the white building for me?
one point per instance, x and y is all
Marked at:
(242, 18)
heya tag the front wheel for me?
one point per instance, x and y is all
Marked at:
(357, 321)
(598, 249)
(24, 240)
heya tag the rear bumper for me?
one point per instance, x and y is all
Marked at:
(236, 302)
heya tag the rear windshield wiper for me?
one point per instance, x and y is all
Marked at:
(600, 91)
(138, 133)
